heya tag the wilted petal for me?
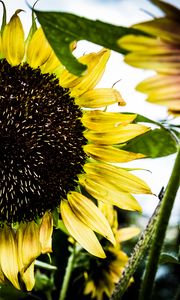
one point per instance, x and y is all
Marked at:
(99, 98)
(8, 255)
(46, 229)
(96, 63)
(88, 213)
(110, 154)
(28, 277)
(80, 231)
(118, 135)
(13, 40)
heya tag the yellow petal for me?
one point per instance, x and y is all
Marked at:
(28, 241)
(164, 28)
(110, 154)
(167, 64)
(46, 229)
(98, 120)
(8, 255)
(144, 45)
(96, 63)
(81, 232)
(117, 135)
(108, 193)
(99, 98)
(39, 50)
(28, 277)
(13, 40)
(52, 64)
(88, 213)
(125, 234)
(118, 176)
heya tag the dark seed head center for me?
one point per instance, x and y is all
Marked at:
(41, 143)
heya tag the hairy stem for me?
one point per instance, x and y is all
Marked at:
(160, 231)
(137, 255)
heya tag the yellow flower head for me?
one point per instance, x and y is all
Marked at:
(159, 50)
(52, 149)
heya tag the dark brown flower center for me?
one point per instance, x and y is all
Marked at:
(41, 143)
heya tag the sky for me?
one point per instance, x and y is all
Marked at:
(125, 13)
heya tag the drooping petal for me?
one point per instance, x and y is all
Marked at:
(96, 63)
(39, 50)
(9, 256)
(118, 176)
(98, 120)
(46, 229)
(117, 135)
(99, 97)
(28, 242)
(108, 193)
(110, 154)
(88, 213)
(80, 231)
(13, 40)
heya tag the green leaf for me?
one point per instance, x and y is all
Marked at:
(155, 143)
(63, 28)
(168, 258)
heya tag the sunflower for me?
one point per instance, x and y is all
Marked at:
(158, 50)
(56, 142)
(102, 275)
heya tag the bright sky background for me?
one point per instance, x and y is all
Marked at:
(118, 12)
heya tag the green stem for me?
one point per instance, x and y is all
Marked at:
(137, 255)
(67, 275)
(160, 230)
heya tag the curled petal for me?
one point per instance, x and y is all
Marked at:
(89, 213)
(80, 231)
(96, 63)
(9, 255)
(99, 98)
(117, 135)
(110, 154)
(13, 40)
